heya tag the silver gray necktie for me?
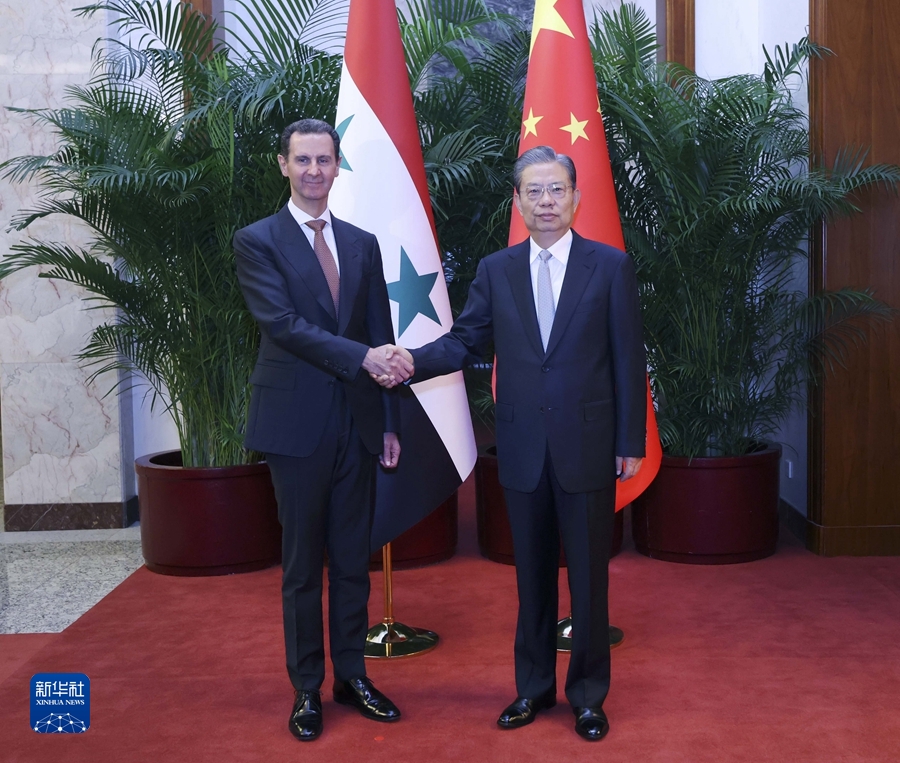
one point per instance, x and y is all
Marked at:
(546, 308)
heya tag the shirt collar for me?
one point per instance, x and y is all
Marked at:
(302, 217)
(560, 250)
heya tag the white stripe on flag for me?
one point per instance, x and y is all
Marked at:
(379, 196)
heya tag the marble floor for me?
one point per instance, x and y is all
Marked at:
(49, 579)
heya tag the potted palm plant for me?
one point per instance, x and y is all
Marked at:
(718, 193)
(166, 152)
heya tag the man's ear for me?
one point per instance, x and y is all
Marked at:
(517, 200)
(282, 163)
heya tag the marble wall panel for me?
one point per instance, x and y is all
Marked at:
(648, 6)
(45, 36)
(44, 320)
(61, 436)
(730, 36)
(727, 38)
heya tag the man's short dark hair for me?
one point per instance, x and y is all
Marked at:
(309, 127)
(542, 155)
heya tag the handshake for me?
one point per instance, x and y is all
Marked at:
(389, 365)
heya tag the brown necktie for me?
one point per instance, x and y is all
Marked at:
(326, 260)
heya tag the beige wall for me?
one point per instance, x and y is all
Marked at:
(61, 437)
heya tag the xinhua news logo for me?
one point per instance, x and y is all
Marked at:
(60, 703)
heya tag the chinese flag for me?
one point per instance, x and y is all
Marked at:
(562, 111)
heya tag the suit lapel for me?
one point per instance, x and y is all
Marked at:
(579, 270)
(300, 256)
(519, 274)
(349, 254)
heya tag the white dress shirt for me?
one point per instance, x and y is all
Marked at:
(328, 231)
(557, 264)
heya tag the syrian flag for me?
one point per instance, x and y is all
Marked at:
(382, 188)
(561, 110)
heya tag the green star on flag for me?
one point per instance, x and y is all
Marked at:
(411, 293)
(341, 129)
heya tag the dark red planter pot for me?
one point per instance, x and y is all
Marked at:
(710, 510)
(207, 520)
(430, 541)
(494, 534)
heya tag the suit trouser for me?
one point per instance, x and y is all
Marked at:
(584, 521)
(325, 501)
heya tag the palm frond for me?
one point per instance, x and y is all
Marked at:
(717, 197)
(163, 154)
(269, 33)
(440, 32)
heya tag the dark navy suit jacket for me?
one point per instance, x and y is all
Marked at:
(305, 352)
(585, 397)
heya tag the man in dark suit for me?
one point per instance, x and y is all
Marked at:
(315, 287)
(564, 318)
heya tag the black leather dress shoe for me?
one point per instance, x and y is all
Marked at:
(591, 723)
(362, 694)
(305, 722)
(523, 711)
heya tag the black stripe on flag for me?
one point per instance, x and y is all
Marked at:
(425, 477)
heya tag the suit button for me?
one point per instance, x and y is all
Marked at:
(344, 371)
(542, 409)
(545, 369)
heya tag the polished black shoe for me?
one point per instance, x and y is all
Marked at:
(362, 694)
(305, 722)
(591, 723)
(523, 711)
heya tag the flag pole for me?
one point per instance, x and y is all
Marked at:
(381, 146)
(390, 639)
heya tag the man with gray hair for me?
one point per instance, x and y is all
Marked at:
(563, 315)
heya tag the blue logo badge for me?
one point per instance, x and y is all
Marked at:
(60, 703)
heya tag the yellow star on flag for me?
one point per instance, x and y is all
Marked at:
(547, 17)
(576, 128)
(531, 124)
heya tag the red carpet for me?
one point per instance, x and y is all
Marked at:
(793, 658)
(16, 648)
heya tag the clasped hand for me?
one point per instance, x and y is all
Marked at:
(389, 365)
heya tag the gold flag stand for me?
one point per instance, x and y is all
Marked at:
(391, 639)
(564, 635)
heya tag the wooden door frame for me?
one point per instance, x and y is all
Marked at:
(675, 24)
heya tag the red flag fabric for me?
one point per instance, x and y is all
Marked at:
(562, 111)
(373, 52)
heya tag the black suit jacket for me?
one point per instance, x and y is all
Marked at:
(585, 397)
(305, 351)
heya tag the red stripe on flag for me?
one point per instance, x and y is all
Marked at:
(374, 57)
